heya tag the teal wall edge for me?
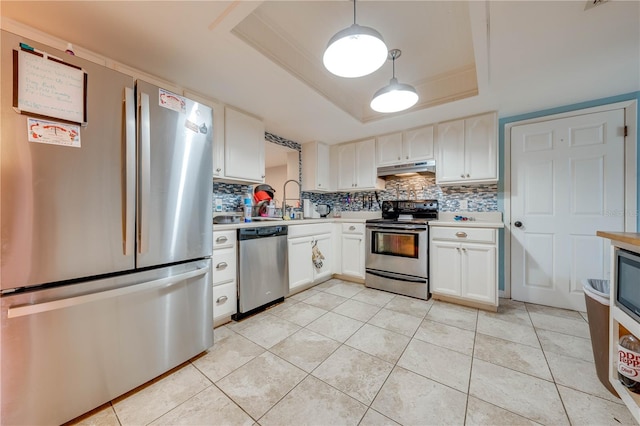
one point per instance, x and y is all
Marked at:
(502, 122)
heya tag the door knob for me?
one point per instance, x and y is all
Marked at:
(518, 224)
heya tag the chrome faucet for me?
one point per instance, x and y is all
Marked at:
(284, 196)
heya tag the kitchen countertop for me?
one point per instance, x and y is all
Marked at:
(632, 238)
(476, 220)
(355, 217)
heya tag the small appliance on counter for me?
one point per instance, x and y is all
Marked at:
(323, 209)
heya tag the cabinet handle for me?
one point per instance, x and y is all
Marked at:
(462, 175)
(352, 228)
(468, 175)
(458, 248)
(319, 185)
(221, 265)
(464, 249)
(222, 299)
(407, 157)
(218, 169)
(461, 234)
(221, 240)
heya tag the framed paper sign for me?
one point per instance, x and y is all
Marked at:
(47, 86)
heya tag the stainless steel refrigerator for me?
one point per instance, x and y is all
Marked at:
(105, 246)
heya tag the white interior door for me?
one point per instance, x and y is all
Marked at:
(567, 182)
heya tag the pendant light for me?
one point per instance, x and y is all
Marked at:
(395, 96)
(355, 51)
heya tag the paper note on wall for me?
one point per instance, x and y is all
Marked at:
(53, 133)
(50, 88)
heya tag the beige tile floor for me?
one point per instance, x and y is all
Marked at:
(343, 354)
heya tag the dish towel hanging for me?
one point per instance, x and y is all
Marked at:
(316, 256)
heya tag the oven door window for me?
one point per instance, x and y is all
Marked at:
(395, 244)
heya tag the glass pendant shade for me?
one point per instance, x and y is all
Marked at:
(355, 52)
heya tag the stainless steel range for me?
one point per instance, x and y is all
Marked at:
(398, 248)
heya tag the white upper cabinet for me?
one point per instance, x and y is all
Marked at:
(389, 149)
(405, 147)
(356, 164)
(316, 167)
(244, 147)
(418, 144)
(468, 150)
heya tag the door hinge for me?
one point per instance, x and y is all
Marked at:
(626, 129)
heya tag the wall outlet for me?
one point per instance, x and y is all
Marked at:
(218, 204)
(464, 205)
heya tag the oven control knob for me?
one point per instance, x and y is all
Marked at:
(518, 224)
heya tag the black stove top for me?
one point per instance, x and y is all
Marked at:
(408, 212)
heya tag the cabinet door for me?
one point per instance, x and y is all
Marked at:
(300, 264)
(323, 166)
(244, 147)
(481, 148)
(353, 255)
(389, 149)
(324, 244)
(225, 300)
(346, 162)
(418, 144)
(218, 131)
(365, 165)
(479, 273)
(450, 164)
(444, 261)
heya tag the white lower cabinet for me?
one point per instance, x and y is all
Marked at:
(301, 242)
(463, 265)
(353, 250)
(224, 300)
(224, 269)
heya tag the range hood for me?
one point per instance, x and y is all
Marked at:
(420, 167)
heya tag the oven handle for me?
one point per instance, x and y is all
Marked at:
(398, 228)
(399, 277)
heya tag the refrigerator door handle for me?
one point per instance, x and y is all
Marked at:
(130, 171)
(144, 179)
(24, 310)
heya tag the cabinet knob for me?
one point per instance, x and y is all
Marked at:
(218, 169)
(221, 265)
(352, 228)
(263, 176)
(407, 157)
(461, 234)
(518, 224)
(458, 248)
(222, 299)
(319, 185)
(462, 175)
(398, 158)
(221, 240)
(467, 175)
(464, 249)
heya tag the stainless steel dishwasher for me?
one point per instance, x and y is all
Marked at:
(263, 277)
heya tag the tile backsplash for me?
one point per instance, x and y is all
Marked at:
(479, 198)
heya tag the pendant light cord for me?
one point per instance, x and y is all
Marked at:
(393, 62)
(354, 12)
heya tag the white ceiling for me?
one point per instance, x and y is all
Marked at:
(265, 57)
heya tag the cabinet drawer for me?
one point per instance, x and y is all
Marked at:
(353, 228)
(310, 229)
(223, 265)
(224, 300)
(477, 235)
(224, 239)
